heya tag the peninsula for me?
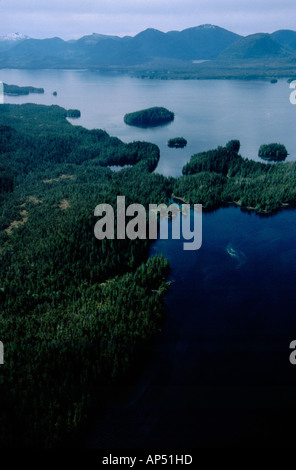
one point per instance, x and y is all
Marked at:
(15, 90)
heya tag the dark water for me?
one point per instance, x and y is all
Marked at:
(220, 373)
(208, 113)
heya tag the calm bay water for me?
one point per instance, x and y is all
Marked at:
(208, 113)
(219, 374)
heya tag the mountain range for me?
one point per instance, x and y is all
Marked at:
(149, 49)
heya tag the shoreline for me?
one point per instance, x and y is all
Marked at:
(262, 212)
(154, 74)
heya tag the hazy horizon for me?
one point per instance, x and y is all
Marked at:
(72, 19)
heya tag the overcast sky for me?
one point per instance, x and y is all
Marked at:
(71, 19)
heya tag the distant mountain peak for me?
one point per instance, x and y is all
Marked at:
(151, 48)
(255, 46)
(14, 37)
(207, 26)
(151, 30)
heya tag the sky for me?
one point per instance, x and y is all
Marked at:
(71, 19)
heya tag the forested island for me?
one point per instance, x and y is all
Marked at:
(15, 90)
(73, 113)
(77, 314)
(150, 117)
(177, 142)
(273, 152)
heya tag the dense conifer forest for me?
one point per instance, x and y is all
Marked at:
(76, 312)
(222, 176)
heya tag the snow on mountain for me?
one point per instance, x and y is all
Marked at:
(14, 37)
